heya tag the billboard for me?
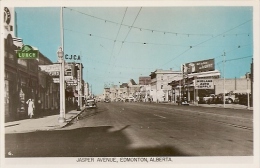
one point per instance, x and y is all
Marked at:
(199, 66)
(204, 84)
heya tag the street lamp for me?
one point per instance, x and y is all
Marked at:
(60, 54)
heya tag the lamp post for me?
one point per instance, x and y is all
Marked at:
(60, 54)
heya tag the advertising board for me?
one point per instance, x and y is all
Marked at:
(200, 66)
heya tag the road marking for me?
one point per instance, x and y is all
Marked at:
(159, 116)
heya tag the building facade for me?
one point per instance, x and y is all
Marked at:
(144, 80)
(160, 90)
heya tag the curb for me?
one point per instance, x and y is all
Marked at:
(237, 108)
(72, 118)
(201, 105)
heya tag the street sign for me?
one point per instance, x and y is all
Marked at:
(204, 84)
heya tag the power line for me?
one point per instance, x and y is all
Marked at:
(207, 40)
(131, 42)
(118, 31)
(234, 59)
(117, 35)
(129, 30)
(152, 30)
(127, 36)
(223, 33)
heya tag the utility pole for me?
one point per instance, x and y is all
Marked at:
(224, 60)
(247, 78)
(183, 78)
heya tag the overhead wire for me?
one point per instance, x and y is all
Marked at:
(207, 41)
(131, 42)
(126, 36)
(190, 47)
(149, 29)
(117, 36)
(129, 30)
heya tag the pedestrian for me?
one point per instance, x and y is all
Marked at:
(31, 107)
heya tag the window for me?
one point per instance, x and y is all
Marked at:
(161, 77)
(161, 86)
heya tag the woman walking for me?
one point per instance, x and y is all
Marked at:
(31, 107)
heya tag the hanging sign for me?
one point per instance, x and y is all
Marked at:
(50, 68)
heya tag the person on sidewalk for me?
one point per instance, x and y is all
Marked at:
(31, 107)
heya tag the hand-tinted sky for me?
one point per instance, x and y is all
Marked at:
(148, 38)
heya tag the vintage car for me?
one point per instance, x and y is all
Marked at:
(91, 103)
(184, 101)
(107, 101)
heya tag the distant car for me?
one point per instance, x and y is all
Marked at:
(91, 103)
(184, 101)
(107, 101)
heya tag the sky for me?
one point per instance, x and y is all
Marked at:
(117, 44)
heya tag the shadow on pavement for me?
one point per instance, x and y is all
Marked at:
(80, 142)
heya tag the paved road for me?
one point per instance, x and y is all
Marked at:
(143, 129)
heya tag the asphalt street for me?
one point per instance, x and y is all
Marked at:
(142, 129)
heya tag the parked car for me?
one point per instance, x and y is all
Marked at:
(209, 99)
(91, 103)
(184, 101)
(107, 101)
(230, 98)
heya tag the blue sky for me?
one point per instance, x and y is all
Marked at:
(172, 35)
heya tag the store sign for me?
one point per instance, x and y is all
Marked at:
(72, 57)
(8, 21)
(56, 80)
(199, 66)
(27, 52)
(7, 15)
(54, 73)
(50, 68)
(72, 82)
(204, 84)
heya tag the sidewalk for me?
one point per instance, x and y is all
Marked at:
(40, 124)
(230, 106)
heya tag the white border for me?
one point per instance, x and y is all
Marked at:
(243, 162)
